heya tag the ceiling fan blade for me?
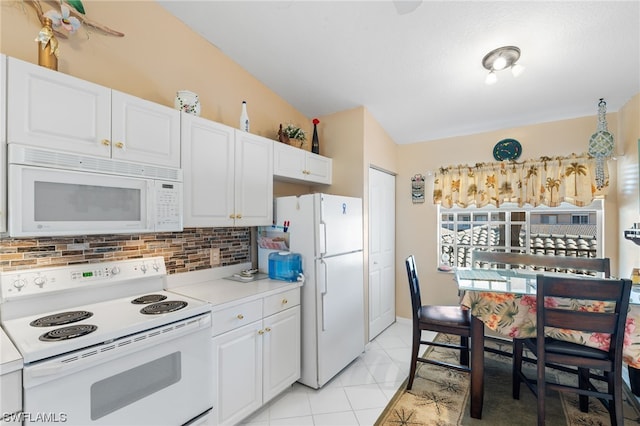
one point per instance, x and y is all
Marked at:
(406, 6)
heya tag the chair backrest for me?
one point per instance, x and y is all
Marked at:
(537, 261)
(605, 321)
(414, 287)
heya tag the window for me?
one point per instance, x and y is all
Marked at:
(561, 231)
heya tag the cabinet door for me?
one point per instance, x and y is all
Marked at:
(207, 163)
(3, 144)
(144, 131)
(56, 111)
(281, 351)
(253, 180)
(288, 162)
(237, 364)
(318, 168)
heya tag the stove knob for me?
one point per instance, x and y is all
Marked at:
(115, 270)
(39, 281)
(143, 268)
(19, 283)
(156, 267)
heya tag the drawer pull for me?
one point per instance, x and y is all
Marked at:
(285, 301)
(240, 316)
(106, 142)
(119, 145)
(261, 332)
(268, 329)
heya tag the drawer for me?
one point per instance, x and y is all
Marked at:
(281, 301)
(236, 316)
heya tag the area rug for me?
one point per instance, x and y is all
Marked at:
(441, 396)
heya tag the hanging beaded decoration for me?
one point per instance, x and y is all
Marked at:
(601, 143)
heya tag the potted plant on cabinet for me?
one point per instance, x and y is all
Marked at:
(290, 133)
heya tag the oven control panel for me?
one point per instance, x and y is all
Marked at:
(43, 280)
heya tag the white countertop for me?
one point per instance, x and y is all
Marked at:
(208, 286)
(10, 358)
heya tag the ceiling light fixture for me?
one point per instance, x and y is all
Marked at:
(499, 59)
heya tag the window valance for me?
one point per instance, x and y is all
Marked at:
(544, 181)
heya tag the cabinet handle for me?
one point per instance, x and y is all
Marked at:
(268, 329)
(105, 142)
(119, 145)
(240, 316)
(232, 216)
(285, 301)
(238, 216)
(261, 332)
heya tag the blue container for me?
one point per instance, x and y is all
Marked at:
(285, 266)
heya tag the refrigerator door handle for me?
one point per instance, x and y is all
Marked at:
(323, 282)
(322, 237)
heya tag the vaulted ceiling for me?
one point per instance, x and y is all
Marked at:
(417, 65)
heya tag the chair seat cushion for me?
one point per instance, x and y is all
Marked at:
(445, 315)
(567, 348)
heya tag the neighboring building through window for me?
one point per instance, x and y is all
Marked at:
(561, 231)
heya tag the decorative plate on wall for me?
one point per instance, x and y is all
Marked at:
(507, 149)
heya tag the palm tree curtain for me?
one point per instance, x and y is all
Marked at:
(545, 181)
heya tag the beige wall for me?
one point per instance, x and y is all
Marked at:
(416, 223)
(628, 168)
(157, 57)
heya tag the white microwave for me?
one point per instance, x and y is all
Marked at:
(52, 193)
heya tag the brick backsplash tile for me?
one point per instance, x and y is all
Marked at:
(182, 251)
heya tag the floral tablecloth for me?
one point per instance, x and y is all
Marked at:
(514, 315)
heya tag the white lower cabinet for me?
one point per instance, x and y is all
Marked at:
(254, 359)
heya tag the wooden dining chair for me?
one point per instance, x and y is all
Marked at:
(438, 318)
(550, 351)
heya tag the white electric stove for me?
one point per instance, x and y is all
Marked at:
(104, 343)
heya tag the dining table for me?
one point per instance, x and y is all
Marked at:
(503, 300)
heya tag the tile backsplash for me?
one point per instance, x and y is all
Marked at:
(184, 251)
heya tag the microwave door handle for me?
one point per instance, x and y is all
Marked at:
(151, 195)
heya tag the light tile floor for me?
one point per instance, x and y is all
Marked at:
(356, 396)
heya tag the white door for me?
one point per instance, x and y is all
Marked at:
(382, 310)
(340, 313)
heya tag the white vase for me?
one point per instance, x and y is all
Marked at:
(188, 102)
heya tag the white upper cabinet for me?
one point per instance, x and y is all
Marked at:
(53, 110)
(144, 131)
(3, 143)
(253, 180)
(293, 164)
(228, 175)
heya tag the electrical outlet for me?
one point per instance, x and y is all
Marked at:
(214, 257)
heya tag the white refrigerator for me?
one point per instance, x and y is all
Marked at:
(327, 231)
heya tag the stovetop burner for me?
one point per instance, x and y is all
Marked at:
(148, 298)
(61, 318)
(69, 332)
(163, 307)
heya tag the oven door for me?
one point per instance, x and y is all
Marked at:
(49, 202)
(159, 377)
